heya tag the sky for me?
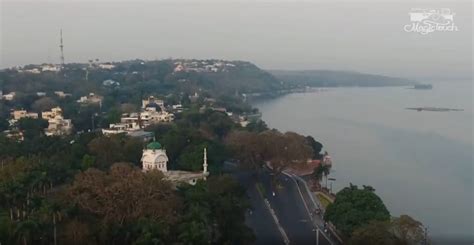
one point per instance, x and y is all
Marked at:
(364, 36)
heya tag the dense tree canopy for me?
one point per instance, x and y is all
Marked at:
(403, 230)
(354, 208)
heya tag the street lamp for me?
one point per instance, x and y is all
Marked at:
(317, 235)
(331, 179)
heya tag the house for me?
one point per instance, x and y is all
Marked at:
(61, 94)
(19, 114)
(10, 96)
(33, 71)
(49, 67)
(106, 66)
(154, 158)
(57, 111)
(119, 128)
(40, 94)
(90, 99)
(14, 134)
(152, 101)
(131, 129)
(148, 117)
(177, 108)
(57, 125)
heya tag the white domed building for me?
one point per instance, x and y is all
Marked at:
(154, 158)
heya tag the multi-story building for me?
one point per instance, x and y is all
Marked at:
(57, 125)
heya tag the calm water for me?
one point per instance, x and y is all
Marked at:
(420, 163)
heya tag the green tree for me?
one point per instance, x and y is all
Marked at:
(375, 232)
(3, 124)
(31, 127)
(354, 208)
(88, 161)
(44, 104)
(26, 231)
(407, 229)
(403, 230)
(317, 147)
(248, 148)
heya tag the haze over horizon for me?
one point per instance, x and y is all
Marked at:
(364, 36)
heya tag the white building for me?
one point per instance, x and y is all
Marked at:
(148, 117)
(61, 94)
(106, 66)
(57, 125)
(49, 67)
(33, 71)
(119, 128)
(10, 96)
(90, 99)
(154, 158)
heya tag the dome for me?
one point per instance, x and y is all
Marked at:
(155, 145)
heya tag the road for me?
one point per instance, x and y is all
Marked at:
(288, 205)
(259, 218)
(291, 210)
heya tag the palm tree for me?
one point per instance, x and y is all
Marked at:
(51, 211)
(26, 230)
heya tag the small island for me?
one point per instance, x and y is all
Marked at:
(426, 108)
(423, 86)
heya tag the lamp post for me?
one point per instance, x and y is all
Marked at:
(317, 235)
(331, 179)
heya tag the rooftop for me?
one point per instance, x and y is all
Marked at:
(155, 145)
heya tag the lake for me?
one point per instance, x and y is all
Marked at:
(420, 163)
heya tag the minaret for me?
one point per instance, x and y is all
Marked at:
(204, 165)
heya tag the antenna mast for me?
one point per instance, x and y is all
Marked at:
(61, 46)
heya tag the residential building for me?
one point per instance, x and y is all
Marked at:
(152, 101)
(90, 99)
(33, 71)
(57, 125)
(19, 114)
(61, 94)
(53, 113)
(10, 96)
(49, 67)
(119, 128)
(148, 117)
(106, 66)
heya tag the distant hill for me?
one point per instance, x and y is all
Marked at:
(327, 78)
(218, 77)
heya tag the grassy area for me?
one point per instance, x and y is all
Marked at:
(324, 201)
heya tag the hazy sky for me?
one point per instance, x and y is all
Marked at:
(365, 36)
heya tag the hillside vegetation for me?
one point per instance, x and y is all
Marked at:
(327, 78)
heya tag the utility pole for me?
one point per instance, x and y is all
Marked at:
(61, 46)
